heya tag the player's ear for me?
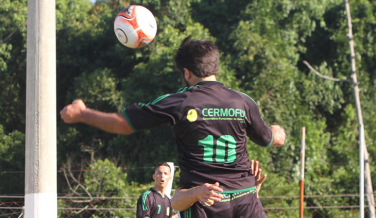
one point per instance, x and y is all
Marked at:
(187, 74)
(153, 176)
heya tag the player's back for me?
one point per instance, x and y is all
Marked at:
(212, 137)
(211, 124)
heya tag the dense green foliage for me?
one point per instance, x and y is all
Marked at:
(263, 44)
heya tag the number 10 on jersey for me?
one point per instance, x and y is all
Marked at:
(220, 145)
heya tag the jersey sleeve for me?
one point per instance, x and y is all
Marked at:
(258, 131)
(143, 206)
(162, 110)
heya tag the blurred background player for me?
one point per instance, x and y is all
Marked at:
(211, 124)
(154, 203)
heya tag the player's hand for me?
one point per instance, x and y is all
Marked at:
(255, 170)
(279, 135)
(72, 112)
(207, 194)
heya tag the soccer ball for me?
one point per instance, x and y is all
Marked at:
(135, 26)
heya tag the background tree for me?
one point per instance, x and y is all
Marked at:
(262, 43)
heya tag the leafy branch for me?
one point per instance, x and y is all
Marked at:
(14, 31)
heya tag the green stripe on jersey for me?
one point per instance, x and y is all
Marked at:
(231, 197)
(128, 120)
(250, 98)
(238, 191)
(182, 90)
(160, 98)
(187, 213)
(271, 141)
(247, 96)
(144, 196)
(260, 117)
(185, 89)
(165, 96)
(155, 101)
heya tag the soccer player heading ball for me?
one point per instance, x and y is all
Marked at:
(211, 124)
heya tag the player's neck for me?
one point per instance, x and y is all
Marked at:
(161, 190)
(210, 78)
(196, 80)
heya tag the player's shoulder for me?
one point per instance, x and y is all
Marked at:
(185, 90)
(177, 92)
(245, 96)
(174, 96)
(146, 193)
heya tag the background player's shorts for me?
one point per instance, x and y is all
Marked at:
(239, 205)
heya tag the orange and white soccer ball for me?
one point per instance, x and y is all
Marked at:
(135, 26)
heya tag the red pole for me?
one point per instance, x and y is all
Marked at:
(302, 154)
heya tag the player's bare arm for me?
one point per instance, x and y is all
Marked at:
(109, 122)
(255, 170)
(279, 135)
(206, 194)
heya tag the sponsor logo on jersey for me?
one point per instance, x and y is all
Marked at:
(216, 114)
(223, 112)
(192, 115)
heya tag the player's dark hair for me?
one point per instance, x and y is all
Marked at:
(199, 56)
(162, 164)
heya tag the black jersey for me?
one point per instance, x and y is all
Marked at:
(211, 124)
(152, 204)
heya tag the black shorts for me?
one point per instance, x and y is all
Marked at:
(237, 205)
